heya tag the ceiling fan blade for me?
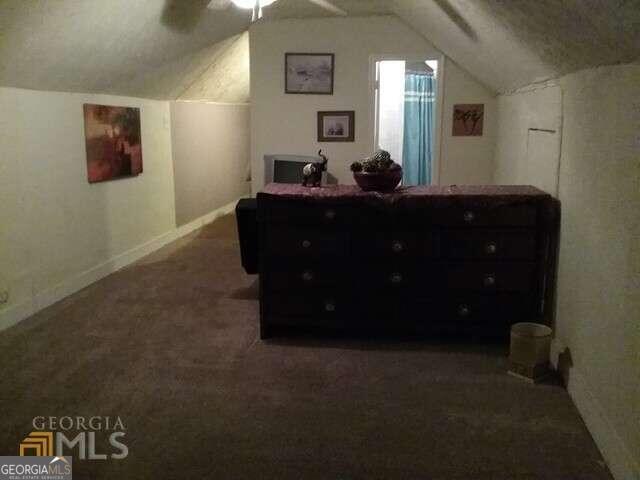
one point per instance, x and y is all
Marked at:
(218, 4)
(329, 6)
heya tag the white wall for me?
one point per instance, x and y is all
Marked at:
(55, 226)
(287, 123)
(466, 160)
(210, 144)
(598, 305)
(535, 108)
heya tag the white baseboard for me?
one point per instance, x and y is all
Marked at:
(13, 314)
(621, 463)
(206, 219)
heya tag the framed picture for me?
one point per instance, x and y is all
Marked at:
(468, 120)
(113, 142)
(309, 73)
(336, 126)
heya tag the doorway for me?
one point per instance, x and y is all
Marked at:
(407, 115)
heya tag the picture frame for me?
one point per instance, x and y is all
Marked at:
(308, 73)
(336, 126)
(113, 142)
(468, 120)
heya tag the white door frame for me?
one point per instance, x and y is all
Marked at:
(373, 101)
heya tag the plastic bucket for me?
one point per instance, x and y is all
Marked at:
(530, 349)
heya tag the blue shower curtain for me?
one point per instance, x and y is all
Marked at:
(417, 150)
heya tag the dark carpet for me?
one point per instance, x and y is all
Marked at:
(170, 345)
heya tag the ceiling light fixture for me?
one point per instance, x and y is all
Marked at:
(252, 3)
(256, 5)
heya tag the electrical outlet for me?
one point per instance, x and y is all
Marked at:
(4, 296)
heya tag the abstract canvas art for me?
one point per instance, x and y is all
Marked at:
(468, 120)
(309, 73)
(113, 142)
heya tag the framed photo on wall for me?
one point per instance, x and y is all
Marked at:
(336, 126)
(468, 120)
(309, 73)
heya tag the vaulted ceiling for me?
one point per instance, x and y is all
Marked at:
(156, 48)
(512, 43)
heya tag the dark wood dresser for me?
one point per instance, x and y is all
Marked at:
(421, 259)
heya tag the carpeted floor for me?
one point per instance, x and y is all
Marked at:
(170, 345)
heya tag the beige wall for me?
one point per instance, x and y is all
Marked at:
(466, 160)
(598, 304)
(286, 124)
(524, 155)
(55, 226)
(226, 79)
(211, 156)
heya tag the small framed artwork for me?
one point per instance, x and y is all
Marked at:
(309, 73)
(468, 120)
(113, 142)
(336, 126)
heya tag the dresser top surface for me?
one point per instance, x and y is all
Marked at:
(520, 192)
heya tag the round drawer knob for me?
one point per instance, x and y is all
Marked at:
(396, 278)
(306, 244)
(397, 246)
(489, 280)
(491, 248)
(463, 311)
(469, 216)
(330, 214)
(307, 275)
(330, 306)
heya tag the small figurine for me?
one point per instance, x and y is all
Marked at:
(312, 172)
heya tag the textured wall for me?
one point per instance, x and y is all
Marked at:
(598, 305)
(227, 77)
(599, 272)
(518, 147)
(55, 225)
(210, 155)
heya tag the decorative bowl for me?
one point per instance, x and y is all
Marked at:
(385, 181)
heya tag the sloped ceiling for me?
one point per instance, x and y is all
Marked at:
(147, 48)
(226, 79)
(107, 46)
(508, 44)
(160, 48)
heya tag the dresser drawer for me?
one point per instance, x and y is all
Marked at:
(487, 244)
(503, 215)
(490, 277)
(305, 242)
(499, 309)
(482, 315)
(305, 277)
(390, 245)
(325, 306)
(310, 214)
(403, 277)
